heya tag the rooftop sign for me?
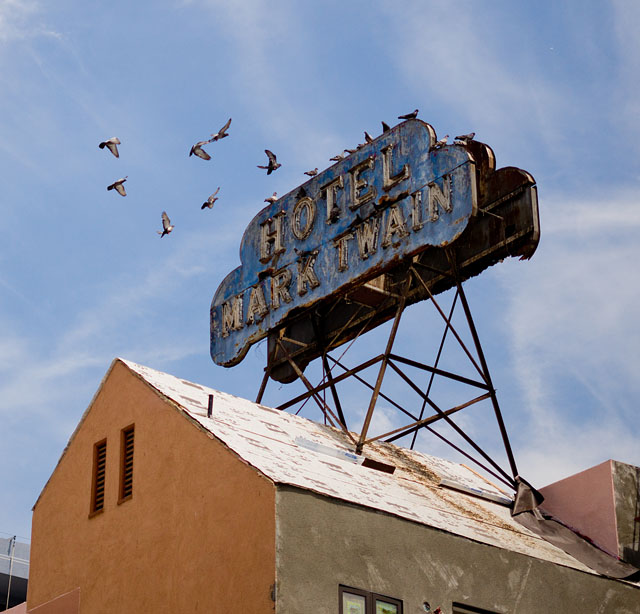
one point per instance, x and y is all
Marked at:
(390, 200)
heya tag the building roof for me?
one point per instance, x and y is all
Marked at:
(295, 451)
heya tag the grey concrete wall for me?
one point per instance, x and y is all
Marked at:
(322, 543)
(626, 486)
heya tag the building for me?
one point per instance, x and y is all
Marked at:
(14, 572)
(157, 506)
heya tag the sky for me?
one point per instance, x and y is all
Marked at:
(84, 277)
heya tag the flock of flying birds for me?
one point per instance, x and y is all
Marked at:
(272, 162)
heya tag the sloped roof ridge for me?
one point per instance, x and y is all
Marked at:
(276, 444)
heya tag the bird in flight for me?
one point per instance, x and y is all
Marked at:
(411, 115)
(118, 187)
(441, 143)
(198, 151)
(222, 133)
(211, 200)
(465, 138)
(385, 127)
(312, 173)
(271, 199)
(273, 163)
(166, 225)
(112, 145)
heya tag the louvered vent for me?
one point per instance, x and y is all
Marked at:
(99, 474)
(126, 473)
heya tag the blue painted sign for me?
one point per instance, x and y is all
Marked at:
(388, 201)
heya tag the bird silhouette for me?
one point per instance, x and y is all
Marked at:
(441, 143)
(465, 138)
(112, 145)
(271, 199)
(222, 133)
(385, 127)
(118, 187)
(411, 115)
(166, 225)
(198, 151)
(273, 162)
(367, 137)
(211, 200)
(312, 173)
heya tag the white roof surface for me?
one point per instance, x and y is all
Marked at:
(281, 446)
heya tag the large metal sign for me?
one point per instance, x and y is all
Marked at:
(384, 204)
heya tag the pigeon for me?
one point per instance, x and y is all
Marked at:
(271, 199)
(441, 143)
(211, 200)
(466, 137)
(411, 115)
(112, 145)
(337, 158)
(198, 151)
(385, 127)
(367, 137)
(118, 187)
(222, 133)
(351, 151)
(312, 173)
(273, 163)
(166, 225)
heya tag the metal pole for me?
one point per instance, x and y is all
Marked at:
(435, 364)
(13, 552)
(487, 376)
(383, 367)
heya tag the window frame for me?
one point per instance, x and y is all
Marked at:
(122, 497)
(370, 599)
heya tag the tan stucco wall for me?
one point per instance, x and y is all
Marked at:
(198, 535)
(323, 543)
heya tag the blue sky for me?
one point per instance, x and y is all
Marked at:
(553, 88)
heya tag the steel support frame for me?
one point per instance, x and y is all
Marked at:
(389, 359)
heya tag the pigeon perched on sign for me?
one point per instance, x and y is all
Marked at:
(112, 145)
(198, 151)
(271, 199)
(312, 173)
(367, 137)
(273, 163)
(466, 137)
(385, 127)
(118, 187)
(411, 115)
(211, 200)
(337, 158)
(166, 225)
(441, 143)
(222, 133)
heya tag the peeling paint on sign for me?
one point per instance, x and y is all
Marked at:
(392, 199)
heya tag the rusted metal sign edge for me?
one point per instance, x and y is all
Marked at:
(391, 200)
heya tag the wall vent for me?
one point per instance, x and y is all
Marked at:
(99, 475)
(126, 463)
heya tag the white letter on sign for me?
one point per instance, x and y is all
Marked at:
(388, 180)
(306, 274)
(305, 209)
(271, 238)
(359, 192)
(232, 315)
(439, 197)
(257, 305)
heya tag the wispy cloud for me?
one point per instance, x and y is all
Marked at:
(574, 333)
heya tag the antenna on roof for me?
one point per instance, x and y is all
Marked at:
(210, 407)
